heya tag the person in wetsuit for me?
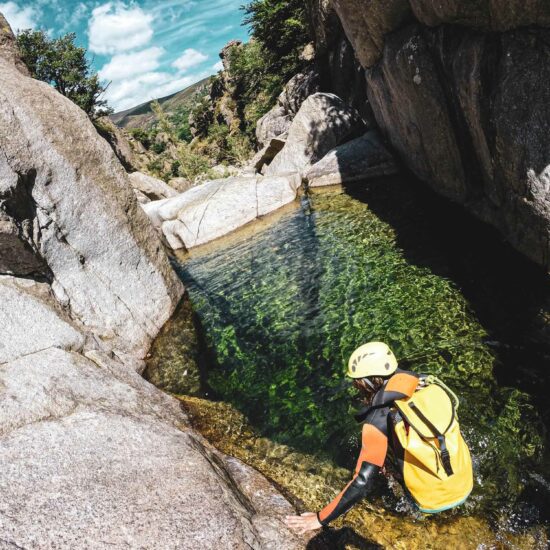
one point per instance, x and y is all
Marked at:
(373, 368)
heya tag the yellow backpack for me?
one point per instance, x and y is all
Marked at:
(436, 466)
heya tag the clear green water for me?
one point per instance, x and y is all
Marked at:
(282, 310)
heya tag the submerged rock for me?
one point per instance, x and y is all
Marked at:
(218, 207)
(362, 158)
(322, 123)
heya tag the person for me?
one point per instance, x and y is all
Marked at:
(375, 373)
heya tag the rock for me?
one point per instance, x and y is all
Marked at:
(141, 197)
(180, 184)
(278, 120)
(496, 15)
(153, 188)
(298, 89)
(362, 158)
(322, 123)
(119, 143)
(410, 107)
(8, 47)
(18, 255)
(218, 207)
(274, 123)
(62, 186)
(31, 320)
(367, 23)
(121, 469)
(268, 153)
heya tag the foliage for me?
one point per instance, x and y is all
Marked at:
(281, 28)
(63, 64)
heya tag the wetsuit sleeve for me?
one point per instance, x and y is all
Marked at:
(374, 448)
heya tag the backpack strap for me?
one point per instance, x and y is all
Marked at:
(445, 457)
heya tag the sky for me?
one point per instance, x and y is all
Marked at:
(145, 48)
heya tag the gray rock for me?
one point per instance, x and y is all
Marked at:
(119, 143)
(61, 184)
(153, 188)
(31, 320)
(278, 120)
(8, 47)
(272, 124)
(367, 23)
(322, 123)
(180, 184)
(410, 106)
(494, 15)
(362, 158)
(89, 461)
(218, 207)
(268, 153)
(298, 89)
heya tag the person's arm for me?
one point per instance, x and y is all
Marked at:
(374, 448)
(373, 454)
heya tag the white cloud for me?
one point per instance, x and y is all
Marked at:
(132, 91)
(19, 18)
(118, 28)
(218, 66)
(125, 65)
(190, 58)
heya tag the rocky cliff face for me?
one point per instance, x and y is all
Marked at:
(91, 454)
(460, 91)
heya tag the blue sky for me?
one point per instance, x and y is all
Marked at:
(145, 48)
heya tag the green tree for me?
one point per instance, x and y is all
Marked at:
(63, 64)
(281, 27)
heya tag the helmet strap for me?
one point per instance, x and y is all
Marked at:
(369, 383)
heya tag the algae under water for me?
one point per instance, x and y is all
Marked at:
(282, 309)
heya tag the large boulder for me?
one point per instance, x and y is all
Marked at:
(153, 188)
(454, 107)
(92, 457)
(323, 122)
(274, 123)
(69, 198)
(218, 207)
(360, 159)
(278, 120)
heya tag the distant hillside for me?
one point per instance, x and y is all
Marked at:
(142, 116)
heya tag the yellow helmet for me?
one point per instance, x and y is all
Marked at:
(372, 359)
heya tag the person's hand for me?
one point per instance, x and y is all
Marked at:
(304, 523)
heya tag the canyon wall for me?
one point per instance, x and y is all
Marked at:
(460, 90)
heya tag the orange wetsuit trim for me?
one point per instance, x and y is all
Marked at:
(373, 451)
(402, 383)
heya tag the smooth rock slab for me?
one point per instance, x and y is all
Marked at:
(362, 158)
(218, 207)
(323, 122)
